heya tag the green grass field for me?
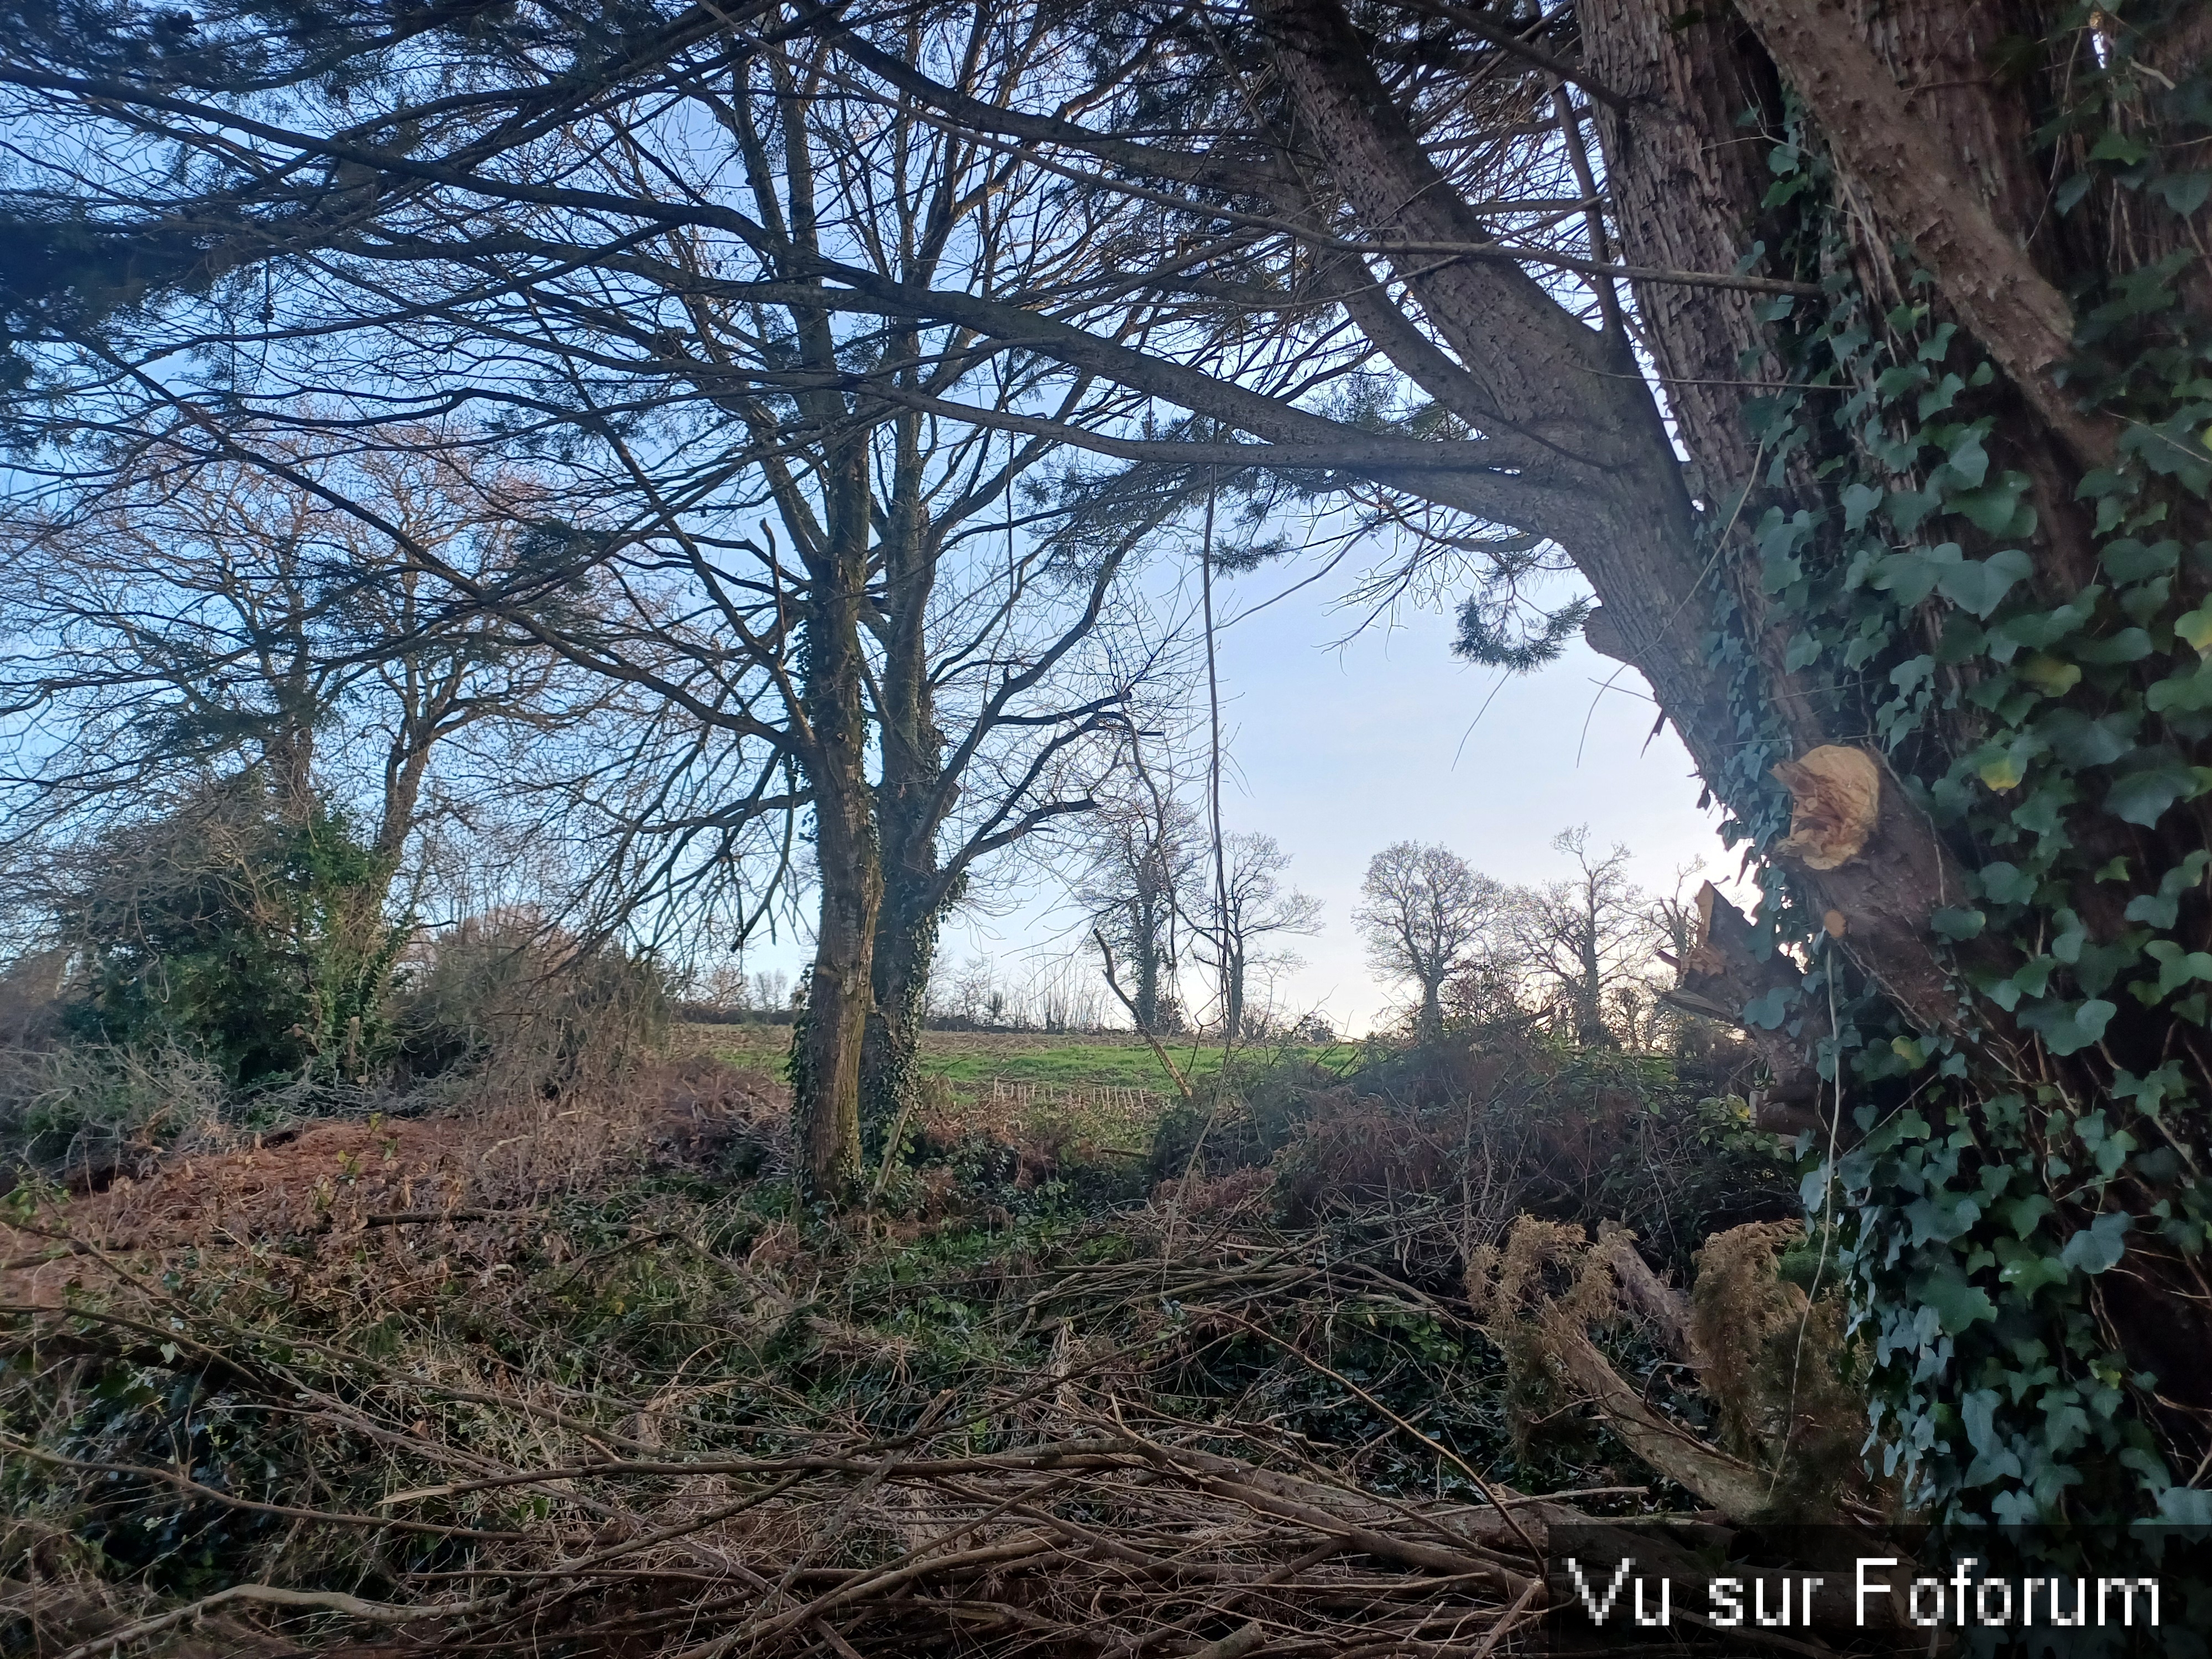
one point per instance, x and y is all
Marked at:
(972, 1061)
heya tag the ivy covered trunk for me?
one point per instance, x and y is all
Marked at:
(906, 947)
(826, 1068)
(912, 800)
(1955, 505)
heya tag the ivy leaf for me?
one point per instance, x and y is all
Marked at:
(2144, 797)
(2189, 690)
(1910, 577)
(2066, 944)
(1958, 924)
(2007, 883)
(1935, 1219)
(2186, 1507)
(1980, 585)
(1768, 1012)
(2098, 965)
(2071, 189)
(1910, 673)
(1995, 509)
(1957, 1303)
(2122, 147)
(2068, 1027)
(2080, 741)
(1858, 501)
(2026, 1269)
(1945, 393)
(2184, 192)
(2127, 560)
(1908, 509)
(2037, 630)
(2003, 773)
(1968, 462)
(2049, 675)
(2159, 909)
(2129, 645)
(2176, 968)
(2196, 627)
(2097, 1246)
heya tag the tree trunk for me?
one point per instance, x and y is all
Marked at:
(1591, 1028)
(1936, 151)
(826, 1070)
(911, 801)
(827, 1077)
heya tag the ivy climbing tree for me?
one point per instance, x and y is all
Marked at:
(1925, 290)
(1956, 502)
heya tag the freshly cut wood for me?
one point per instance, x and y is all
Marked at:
(1835, 801)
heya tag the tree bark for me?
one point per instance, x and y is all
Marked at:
(910, 804)
(827, 1092)
(1932, 129)
(847, 851)
(1563, 404)
(1918, 189)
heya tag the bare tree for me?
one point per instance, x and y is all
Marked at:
(197, 619)
(1237, 927)
(1147, 859)
(1425, 915)
(1590, 940)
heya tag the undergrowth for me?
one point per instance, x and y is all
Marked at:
(654, 1405)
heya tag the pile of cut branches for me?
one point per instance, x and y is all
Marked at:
(461, 1506)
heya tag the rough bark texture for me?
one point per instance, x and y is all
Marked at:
(1931, 125)
(1731, 966)
(1563, 403)
(849, 858)
(1944, 190)
(1685, 200)
(1567, 401)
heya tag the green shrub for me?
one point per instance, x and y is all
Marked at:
(224, 929)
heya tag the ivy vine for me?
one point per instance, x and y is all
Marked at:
(1977, 1211)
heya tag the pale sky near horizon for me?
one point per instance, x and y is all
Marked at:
(1339, 747)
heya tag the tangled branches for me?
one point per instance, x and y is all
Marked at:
(765, 1464)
